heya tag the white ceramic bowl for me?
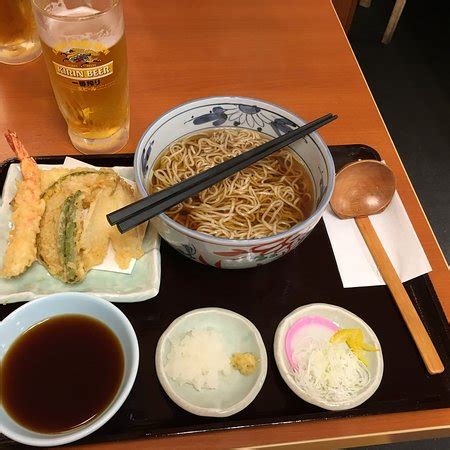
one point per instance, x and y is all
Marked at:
(69, 303)
(235, 392)
(258, 115)
(344, 319)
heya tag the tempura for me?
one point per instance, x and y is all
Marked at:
(59, 218)
(27, 207)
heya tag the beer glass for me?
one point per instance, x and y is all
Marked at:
(84, 47)
(19, 41)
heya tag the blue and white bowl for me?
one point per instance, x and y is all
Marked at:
(216, 112)
(36, 311)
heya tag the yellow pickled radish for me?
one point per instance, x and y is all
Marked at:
(354, 338)
(368, 347)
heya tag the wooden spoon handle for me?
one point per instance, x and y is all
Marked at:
(423, 342)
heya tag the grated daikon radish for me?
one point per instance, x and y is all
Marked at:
(330, 372)
(198, 359)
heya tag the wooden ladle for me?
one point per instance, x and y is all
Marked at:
(364, 188)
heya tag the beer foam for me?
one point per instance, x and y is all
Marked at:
(61, 10)
(106, 30)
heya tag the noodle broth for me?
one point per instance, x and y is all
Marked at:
(266, 198)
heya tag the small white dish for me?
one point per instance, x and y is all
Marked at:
(235, 392)
(142, 284)
(34, 312)
(343, 319)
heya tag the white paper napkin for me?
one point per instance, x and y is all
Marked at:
(355, 263)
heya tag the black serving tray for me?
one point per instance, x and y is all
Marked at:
(265, 295)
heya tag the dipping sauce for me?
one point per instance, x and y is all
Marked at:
(61, 373)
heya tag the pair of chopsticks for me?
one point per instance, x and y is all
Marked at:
(136, 213)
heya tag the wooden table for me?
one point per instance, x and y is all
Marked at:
(293, 53)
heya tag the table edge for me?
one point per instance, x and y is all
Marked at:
(444, 259)
(376, 429)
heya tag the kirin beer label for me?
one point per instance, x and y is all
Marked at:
(85, 65)
(84, 74)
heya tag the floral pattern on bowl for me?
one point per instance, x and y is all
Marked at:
(215, 112)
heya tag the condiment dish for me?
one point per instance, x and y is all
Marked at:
(36, 311)
(343, 319)
(235, 391)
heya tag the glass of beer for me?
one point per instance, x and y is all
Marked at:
(84, 47)
(19, 41)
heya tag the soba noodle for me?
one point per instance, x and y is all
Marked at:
(266, 198)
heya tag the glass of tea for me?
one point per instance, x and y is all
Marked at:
(19, 40)
(84, 46)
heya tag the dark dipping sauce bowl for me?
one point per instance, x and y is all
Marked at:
(68, 362)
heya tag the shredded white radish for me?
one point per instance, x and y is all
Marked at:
(328, 372)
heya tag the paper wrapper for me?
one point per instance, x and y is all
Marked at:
(355, 263)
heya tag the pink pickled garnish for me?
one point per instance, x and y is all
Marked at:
(298, 325)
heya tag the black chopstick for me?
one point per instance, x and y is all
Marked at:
(121, 214)
(132, 215)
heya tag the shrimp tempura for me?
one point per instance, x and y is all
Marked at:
(28, 207)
